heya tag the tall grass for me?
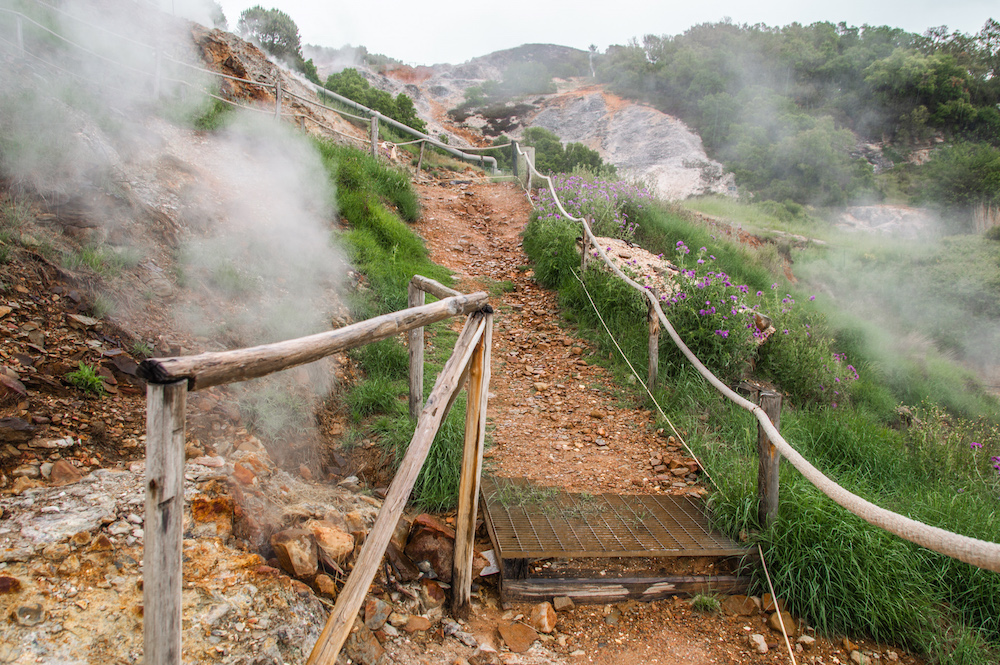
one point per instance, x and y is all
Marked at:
(837, 571)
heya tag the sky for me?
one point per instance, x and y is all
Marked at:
(454, 31)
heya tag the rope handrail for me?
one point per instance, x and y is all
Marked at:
(214, 73)
(84, 22)
(74, 44)
(979, 553)
(323, 106)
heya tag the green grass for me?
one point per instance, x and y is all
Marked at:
(840, 573)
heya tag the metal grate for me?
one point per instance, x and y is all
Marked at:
(527, 521)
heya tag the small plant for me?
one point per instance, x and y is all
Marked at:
(705, 604)
(141, 349)
(993, 233)
(86, 379)
(102, 306)
(374, 395)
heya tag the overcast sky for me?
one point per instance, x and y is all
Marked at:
(432, 31)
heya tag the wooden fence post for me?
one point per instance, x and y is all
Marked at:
(415, 298)
(161, 560)
(654, 344)
(277, 99)
(770, 461)
(20, 34)
(472, 469)
(374, 134)
(157, 68)
(585, 253)
(513, 157)
(420, 160)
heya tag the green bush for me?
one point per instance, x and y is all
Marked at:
(376, 394)
(385, 357)
(86, 379)
(349, 83)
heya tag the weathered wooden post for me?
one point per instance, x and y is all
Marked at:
(374, 134)
(157, 67)
(277, 99)
(513, 157)
(415, 298)
(654, 342)
(529, 158)
(161, 560)
(770, 461)
(420, 159)
(20, 34)
(302, 122)
(472, 469)
(585, 252)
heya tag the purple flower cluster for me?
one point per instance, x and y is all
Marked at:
(608, 203)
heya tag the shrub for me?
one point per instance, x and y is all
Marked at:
(376, 394)
(614, 206)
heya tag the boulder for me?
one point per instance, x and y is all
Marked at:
(296, 552)
(433, 541)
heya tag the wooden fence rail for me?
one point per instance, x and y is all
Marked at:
(170, 379)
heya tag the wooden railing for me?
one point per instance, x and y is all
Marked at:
(170, 379)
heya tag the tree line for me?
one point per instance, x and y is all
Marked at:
(787, 108)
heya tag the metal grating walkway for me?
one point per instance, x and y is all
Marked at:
(527, 521)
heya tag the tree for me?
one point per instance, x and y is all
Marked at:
(273, 29)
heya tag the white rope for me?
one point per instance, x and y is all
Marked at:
(980, 553)
(774, 599)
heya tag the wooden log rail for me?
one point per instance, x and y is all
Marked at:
(170, 379)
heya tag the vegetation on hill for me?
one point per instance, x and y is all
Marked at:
(841, 397)
(781, 106)
(349, 83)
(278, 35)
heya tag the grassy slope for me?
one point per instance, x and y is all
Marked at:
(839, 572)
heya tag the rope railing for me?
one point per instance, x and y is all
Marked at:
(979, 553)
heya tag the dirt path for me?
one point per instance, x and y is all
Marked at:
(558, 417)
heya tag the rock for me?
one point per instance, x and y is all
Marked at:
(243, 475)
(769, 604)
(9, 584)
(29, 615)
(325, 585)
(848, 645)
(405, 569)
(362, 646)
(415, 623)
(433, 541)
(431, 594)
(29, 471)
(64, 473)
(22, 484)
(397, 620)
(453, 629)
(15, 430)
(543, 617)
(807, 641)
(562, 603)
(377, 612)
(859, 658)
(774, 623)
(334, 544)
(46, 470)
(758, 642)
(297, 552)
(213, 516)
(740, 605)
(11, 385)
(53, 444)
(517, 636)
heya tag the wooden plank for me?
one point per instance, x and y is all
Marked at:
(472, 468)
(770, 461)
(338, 625)
(161, 570)
(212, 369)
(434, 287)
(415, 342)
(591, 591)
